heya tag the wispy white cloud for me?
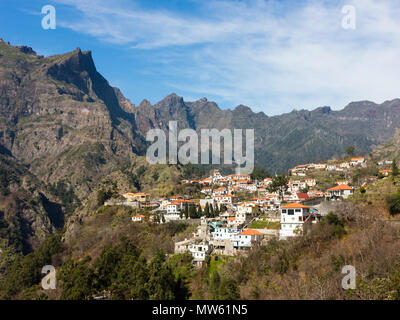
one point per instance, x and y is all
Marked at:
(268, 54)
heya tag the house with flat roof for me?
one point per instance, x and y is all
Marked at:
(293, 218)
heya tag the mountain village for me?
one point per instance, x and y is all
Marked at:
(230, 224)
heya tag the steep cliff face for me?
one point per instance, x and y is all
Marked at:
(389, 150)
(61, 123)
(28, 211)
(58, 114)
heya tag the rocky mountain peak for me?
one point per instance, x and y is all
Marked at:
(145, 104)
(323, 110)
(172, 103)
(26, 50)
(243, 109)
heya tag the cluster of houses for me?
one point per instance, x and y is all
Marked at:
(227, 232)
(338, 167)
(220, 236)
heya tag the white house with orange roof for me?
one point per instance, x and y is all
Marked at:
(233, 189)
(246, 207)
(233, 177)
(251, 187)
(320, 166)
(247, 239)
(293, 217)
(138, 218)
(177, 206)
(385, 172)
(206, 190)
(315, 194)
(267, 181)
(340, 191)
(357, 161)
(262, 189)
(220, 191)
(296, 185)
(225, 199)
(206, 181)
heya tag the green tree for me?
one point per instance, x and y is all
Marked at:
(279, 184)
(155, 176)
(337, 225)
(207, 210)
(199, 212)
(161, 281)
(393, 203)
(350, 150)
(103, 196)
(228, 290)
(212, 215)
(395, 169)
(216, 211)
(77, 280)
(186, 211)
(214, 285)
(192, 212)
(259, 173)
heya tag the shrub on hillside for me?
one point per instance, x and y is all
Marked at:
(393, 203)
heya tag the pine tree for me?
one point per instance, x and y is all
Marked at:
(207, 210)
(192, 212)
(199, 212)
(395, 169)
(217, 211)
(186, 212)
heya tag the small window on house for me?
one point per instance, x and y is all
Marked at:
(284, 210)
(298, 210)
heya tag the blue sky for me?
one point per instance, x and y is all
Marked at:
(271, 55)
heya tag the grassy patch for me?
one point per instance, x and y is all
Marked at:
(273, 225)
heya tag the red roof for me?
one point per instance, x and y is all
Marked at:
(303, 196)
